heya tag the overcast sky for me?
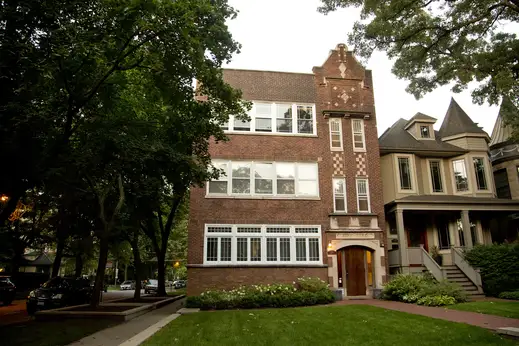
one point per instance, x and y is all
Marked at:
(290, 35)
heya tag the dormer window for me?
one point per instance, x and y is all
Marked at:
(425, 131)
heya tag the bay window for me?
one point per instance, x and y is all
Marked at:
(460, 175)
(251, 178)
(262, 244)
(479, 169)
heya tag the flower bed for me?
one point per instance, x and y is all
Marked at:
(306, 291)
(423, 290)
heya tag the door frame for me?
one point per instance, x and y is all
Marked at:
(341, 268)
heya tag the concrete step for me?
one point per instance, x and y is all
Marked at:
(466, 284)
(470, 289)
(460, 275)
(475, 296)
(463, 279)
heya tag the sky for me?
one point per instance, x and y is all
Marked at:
(291, 36)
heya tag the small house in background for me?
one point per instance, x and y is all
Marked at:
(37, 262)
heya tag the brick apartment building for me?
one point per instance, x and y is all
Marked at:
(302, 195)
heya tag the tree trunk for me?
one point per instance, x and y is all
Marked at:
(59, 255)
(100, 274)
(78, 270)
(138, 264)
(161, 273)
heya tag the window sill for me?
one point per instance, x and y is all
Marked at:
(359, 150)
(302, 265)
(265, 197)
(250, 133)
(336, 149)
(351, 214)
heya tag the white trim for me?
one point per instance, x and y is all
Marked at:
(412, 172)
(487, 171)
(465, 134)
(367, 193)
(263, 235)
(344, 197)
(274, 195)
(442, 176)
(339, 122)
(273, 118)
(453, 177)
(363, 149)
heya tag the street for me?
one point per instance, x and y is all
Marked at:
(16, 312)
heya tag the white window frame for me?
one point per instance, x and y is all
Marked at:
(367, 194)
(467, 172)
(252, 179)
(339, 132)
(263, 235)
(273, 117)
(363, 149)
(442, 176)
(344, 196)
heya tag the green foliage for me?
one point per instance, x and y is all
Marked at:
(423, 290)
(514, 295)
(311, 284)
(436, 300)
(498, 265)
(260, 296)
(434, 43)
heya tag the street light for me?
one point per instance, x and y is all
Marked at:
(4, 198)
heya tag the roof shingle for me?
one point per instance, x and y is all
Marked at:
(456, 121)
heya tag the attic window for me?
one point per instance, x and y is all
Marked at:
(425, 131)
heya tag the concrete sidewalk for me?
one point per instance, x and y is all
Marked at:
(120, 333)
(473, 318)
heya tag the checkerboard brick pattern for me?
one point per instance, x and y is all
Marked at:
(338, 164)
(360, 160)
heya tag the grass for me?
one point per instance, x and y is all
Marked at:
(113, 288)
(51, 333)
(331, 325)
(499, 308)
(177, 292)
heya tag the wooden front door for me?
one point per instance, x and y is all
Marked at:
(355, 271)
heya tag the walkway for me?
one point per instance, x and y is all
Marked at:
(473, 318)
(120, 333)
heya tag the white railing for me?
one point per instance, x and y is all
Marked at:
(431, 265)
(466, 268)
(394, 257)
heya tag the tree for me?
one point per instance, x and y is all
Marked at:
(435, 43)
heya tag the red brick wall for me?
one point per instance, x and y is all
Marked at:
(202, 279)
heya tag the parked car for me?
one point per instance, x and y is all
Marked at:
(7, 290)
(59, 292)
(151, 286)
(180, 284)
(128, 285)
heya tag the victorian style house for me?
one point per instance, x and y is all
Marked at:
(302, 191)
(438, 192)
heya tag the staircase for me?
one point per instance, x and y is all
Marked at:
(454, 274)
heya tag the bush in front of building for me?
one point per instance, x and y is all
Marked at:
(304, 292)
(423, 290)
(514, 295)
(498, 265)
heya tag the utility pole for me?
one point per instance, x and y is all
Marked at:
(116, 271)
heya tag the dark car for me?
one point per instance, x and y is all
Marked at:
(180, 284)
(151, 286)
(7, 290)
(59, 292)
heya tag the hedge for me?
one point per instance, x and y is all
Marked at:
(304, 292)
(499, 266)
(514, 295)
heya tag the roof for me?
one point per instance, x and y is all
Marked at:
(420, 117)
(272, 86)
(456, 121)
(502, 131)
(41, 260)
(397, 139)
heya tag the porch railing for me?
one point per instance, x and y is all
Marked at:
(466, 268)
(431, 265)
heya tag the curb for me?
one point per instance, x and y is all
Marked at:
(148, 332)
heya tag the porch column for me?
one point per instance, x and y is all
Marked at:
(465, 222)
(402, 241)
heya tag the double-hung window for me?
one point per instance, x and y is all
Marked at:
(336, 134)
(436, 176)
(404, 169)
(359, 141)
(460, 175)
(479, 169)
(425, 131)
(276, 118)
(339, 195)
(258, 178)
(262, 244)
(363, 205)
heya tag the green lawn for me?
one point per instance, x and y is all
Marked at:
(335, 325)
(499, 308)
(177, 292)
(50, 333)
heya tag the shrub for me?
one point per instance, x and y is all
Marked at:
(445, 288)
(311, 284)
(309, 291)
(404, 285)
(439, 300)
(509, 295)
(498, 264)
